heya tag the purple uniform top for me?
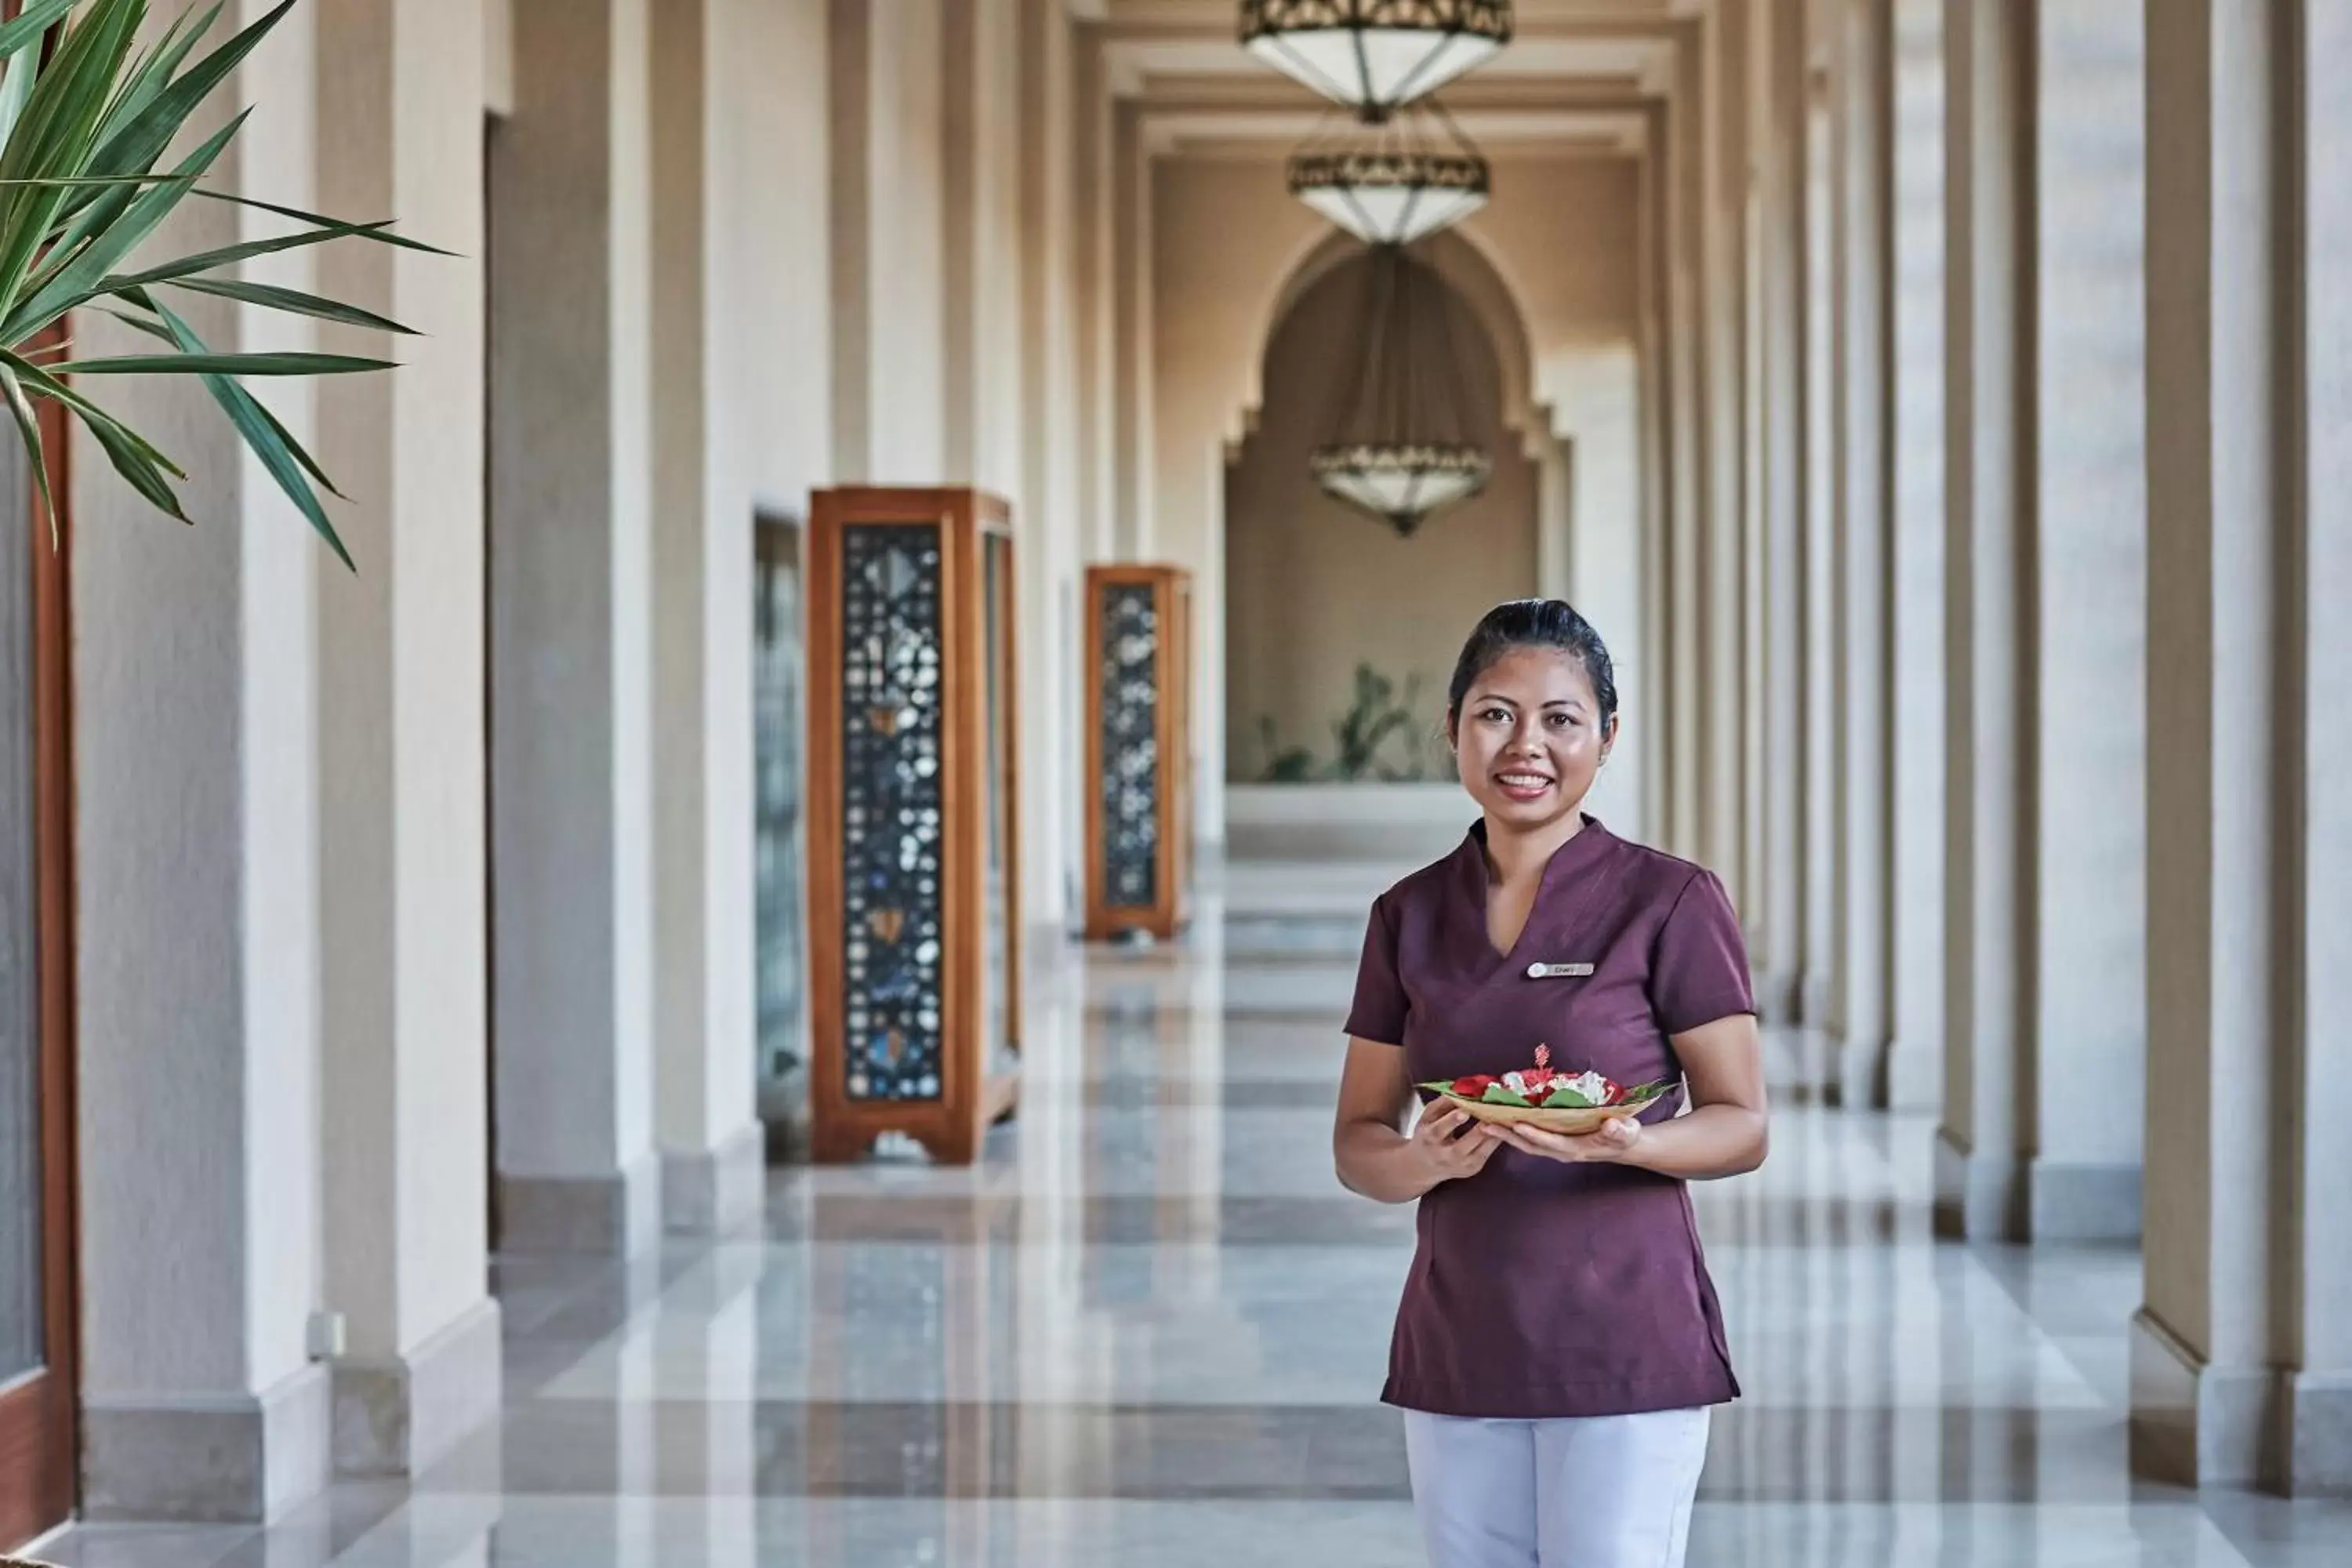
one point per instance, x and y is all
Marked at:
(1539, 1289)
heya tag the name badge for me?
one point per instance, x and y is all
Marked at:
(1559, 971)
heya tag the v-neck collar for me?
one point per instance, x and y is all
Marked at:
(1580, 851)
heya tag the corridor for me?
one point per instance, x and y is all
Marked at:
(1147, 1330)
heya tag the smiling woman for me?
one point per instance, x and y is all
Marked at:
(1557, 1319)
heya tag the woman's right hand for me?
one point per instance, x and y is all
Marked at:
(1448, 1143)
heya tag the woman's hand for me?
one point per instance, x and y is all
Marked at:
(1611, 1142)
(1443, 1150)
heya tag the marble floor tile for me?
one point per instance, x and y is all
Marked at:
(1149, 1329)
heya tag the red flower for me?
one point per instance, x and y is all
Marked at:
(1474, 1086)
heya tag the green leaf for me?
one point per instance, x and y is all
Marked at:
(278, 451)
(35, 19)
(141, 141)
(1566, 1099)
(42, 384)
(229, 255)
(1497, 1095)
(146, 81)
(83, 276)
(131, 456)
(16, 88)
(292, 301)
(379, 232)
(55, 133)
(289, 363)
(28, 426)
(310, 464)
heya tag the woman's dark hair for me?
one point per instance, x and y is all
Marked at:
(1535, 622)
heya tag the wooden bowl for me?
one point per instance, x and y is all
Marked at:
(1551, 1119)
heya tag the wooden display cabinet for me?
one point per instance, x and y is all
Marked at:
(1139, 743)
(914, 915)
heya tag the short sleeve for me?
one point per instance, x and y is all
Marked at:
(1699, 971)
(1379, 1008)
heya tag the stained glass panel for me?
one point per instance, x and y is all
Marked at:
(1129, 659)
(891, 732)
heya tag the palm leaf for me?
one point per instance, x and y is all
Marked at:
(381, 233)
(55, 133)
(28, 426)
(296, 364)
(140, 141)
(229, 255)
(280, 453)
(78, 279)
(27, 30)
(87, 116)
(293, 301)
(130, 454)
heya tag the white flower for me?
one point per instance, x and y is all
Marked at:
(1591, 1085)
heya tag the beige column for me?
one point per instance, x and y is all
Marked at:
(570, 633)
(888, 239)
(2318, 1353)
(1914, 378)
(1988, 673)
(1757, 383)
(196, 813)
(1052, 821)
(1655, 481)
(2223, 808)
(403, 830)
(1093, 182)
(1858, 1005)
(706, 1123)
(1780, 643)
(2088, 1022)
(1820, 547)
(1130, 196)
(1677, 615)
(1724, 238)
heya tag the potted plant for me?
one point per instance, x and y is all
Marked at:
(87, 116)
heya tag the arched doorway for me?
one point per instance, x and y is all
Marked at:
(1339, 634)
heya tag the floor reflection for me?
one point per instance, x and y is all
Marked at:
(1149, 1328)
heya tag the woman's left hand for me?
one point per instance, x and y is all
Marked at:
(1610, 1141)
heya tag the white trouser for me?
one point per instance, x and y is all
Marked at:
(1601, 1492)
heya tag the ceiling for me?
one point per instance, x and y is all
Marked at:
(1579, 77)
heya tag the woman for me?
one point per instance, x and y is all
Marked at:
(1559, 1343)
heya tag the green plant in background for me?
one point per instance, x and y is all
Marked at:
(1370, 721)
(1377, 722)
(85, 118)
(1284, 764)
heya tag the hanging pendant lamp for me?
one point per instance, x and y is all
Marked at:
(1375, 55)
(1399, 452)
(1391, 181)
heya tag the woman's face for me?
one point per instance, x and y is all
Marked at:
(1528, 738)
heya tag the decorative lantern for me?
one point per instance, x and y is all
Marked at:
(1375, 55)
(1391, 181)
(1399, 452)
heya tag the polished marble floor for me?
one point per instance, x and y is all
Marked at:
(1148, 1331)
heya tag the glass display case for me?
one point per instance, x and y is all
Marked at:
(914, 905)
(1139, 750)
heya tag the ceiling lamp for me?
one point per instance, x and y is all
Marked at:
(1399, 452)
(1374, 55)
(1391, 181)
